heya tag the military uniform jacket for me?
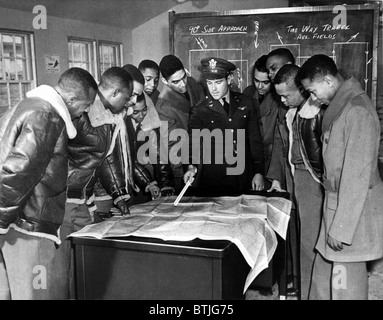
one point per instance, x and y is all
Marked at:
(248, 152)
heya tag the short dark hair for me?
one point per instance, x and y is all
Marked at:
(169, 65)
(117, 77)
(141, 98)
(148, 64)
(77, 80)
(317, 66)
(134, 73)
(287, 74)
(260, 65)
(284, 53)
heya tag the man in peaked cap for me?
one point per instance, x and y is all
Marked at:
(224, 113)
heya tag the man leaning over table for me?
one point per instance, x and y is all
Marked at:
(33, 180)
(98, 131)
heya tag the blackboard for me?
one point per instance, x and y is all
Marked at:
(243, 36)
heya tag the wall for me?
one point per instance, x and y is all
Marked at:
(54, 39)
(151, 39)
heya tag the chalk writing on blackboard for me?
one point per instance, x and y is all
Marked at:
(222, 29)
(201, 43)
(325, 31)
(243, 36)
(256, 30)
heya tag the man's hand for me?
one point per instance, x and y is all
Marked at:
(334, 244)
(155, 191)
(258, 182)
(123, 206)
(167, 191)
(276, 185)
(189, 175)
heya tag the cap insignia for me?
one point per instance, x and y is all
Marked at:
(212, 63)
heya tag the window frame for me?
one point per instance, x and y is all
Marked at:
(118, 45)
(93, 63)
(28, 58)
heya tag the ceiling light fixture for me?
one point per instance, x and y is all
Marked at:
(200, 3)
(196, 3)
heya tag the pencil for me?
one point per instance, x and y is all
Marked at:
(188, 183)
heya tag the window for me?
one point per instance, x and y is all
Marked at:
(17, 68)
(110, 55)
(82, 55)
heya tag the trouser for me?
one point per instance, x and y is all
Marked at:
(292, 248)
(339, 280)
(309, 196)
(27, 268)
(76, 217)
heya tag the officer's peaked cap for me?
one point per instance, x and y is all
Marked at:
(216, 68)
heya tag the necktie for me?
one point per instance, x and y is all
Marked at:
(226, 106)
(187, 96)
(138, 128)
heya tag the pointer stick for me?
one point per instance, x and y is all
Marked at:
(187, 185)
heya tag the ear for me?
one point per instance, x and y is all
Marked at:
(70, 99)
(129, 111)
(164, 81)
(230, 79)
(115, 92)
(329, 80)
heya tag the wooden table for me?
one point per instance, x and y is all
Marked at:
(148, 269)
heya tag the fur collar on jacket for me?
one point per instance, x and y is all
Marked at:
(50, 95)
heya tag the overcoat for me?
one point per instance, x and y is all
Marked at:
(353, 207)
(379, 109)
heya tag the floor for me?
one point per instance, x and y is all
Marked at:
(375, 287)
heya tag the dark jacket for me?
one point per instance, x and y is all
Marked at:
(211, 115)
(309, 134)
(279, 168)
(267, 112)
(88, 160)
(162, 171)
(155, 96)
(33, 167)
(174, 109)
(141, 176)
